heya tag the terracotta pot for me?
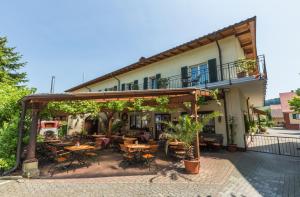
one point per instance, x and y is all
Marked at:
(192, 166)
(232, 147)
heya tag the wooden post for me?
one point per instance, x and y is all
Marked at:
(31, 156)
(195, 114)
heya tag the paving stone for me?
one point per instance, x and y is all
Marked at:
(222, 174)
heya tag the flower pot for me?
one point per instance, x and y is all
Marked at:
(192, 166)
(232, 147)
(241, 74)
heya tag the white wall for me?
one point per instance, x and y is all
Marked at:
(231, 51)
(235, 108)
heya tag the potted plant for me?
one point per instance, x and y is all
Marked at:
(246, 67)
(162, 83)
(186, 131)
(232, 147)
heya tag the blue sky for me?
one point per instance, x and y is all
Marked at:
(67, 38)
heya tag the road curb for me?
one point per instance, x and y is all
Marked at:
(11, 177)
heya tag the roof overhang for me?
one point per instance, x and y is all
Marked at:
(245, 31)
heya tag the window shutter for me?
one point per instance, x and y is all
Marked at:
(184, 76)
(157, 77)
(294, 116)
(129, 86)
(115, 88)
(123, 86)
(105, 89)
(145, 83)
(136, 84)
(212, 69)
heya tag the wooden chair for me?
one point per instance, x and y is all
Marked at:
(202, 143)
(59, 157)
(128, 156)
(149, 155)
(94, 154)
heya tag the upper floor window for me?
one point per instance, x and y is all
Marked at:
(153, 82)
(199, 74)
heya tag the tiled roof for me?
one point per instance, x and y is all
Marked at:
(245, 31)
(276, 111)
(284, 98)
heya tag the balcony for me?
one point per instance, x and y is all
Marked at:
(226, 74)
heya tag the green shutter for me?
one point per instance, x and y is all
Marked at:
(157, 77)
(115, 88)
(184, 76)
(212, 69)
(123, 86)
(105, 89)
(145, 83)
(135, 85)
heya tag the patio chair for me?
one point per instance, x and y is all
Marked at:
(93, 154)
(127, 155)
(59, 157)
(149, 155)
(202, 142)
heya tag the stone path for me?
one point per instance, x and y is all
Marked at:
(222, 174)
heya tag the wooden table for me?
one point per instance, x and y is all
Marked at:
(137, 150)
(137, 147)
(62, 144)
(209, 139)
(52, 141)
(78, 153)
(176, 143)
(98, 136)
(79, 148)
(130, 139)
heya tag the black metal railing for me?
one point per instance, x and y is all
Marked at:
(273, 144)
(226, 73)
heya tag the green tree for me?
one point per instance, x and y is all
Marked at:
(10, 64)
(9, 118)
(295, 102)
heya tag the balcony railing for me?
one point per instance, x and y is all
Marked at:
(228, 73)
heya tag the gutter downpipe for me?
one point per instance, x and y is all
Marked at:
(249, 118)
(220, 58)
(224, 93)
(20, 138)
(226, 116)
(119, 82)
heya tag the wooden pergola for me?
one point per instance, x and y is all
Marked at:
(36, 103)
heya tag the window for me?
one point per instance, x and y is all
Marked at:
(296, 116)
(199, 74)
(153, 82)
(137, 121)
(210, 127)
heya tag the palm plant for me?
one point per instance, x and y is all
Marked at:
(186, 131)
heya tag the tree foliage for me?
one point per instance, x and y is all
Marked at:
(10, 94)
(187, 129)
(9, 118)
(10, 64)
(295, 102)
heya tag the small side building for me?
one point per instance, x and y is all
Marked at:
(291, 119)
(277, 115)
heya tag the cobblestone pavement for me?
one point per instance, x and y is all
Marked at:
(222, 174)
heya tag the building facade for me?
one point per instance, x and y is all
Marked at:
(291, 119)
(225, 59)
